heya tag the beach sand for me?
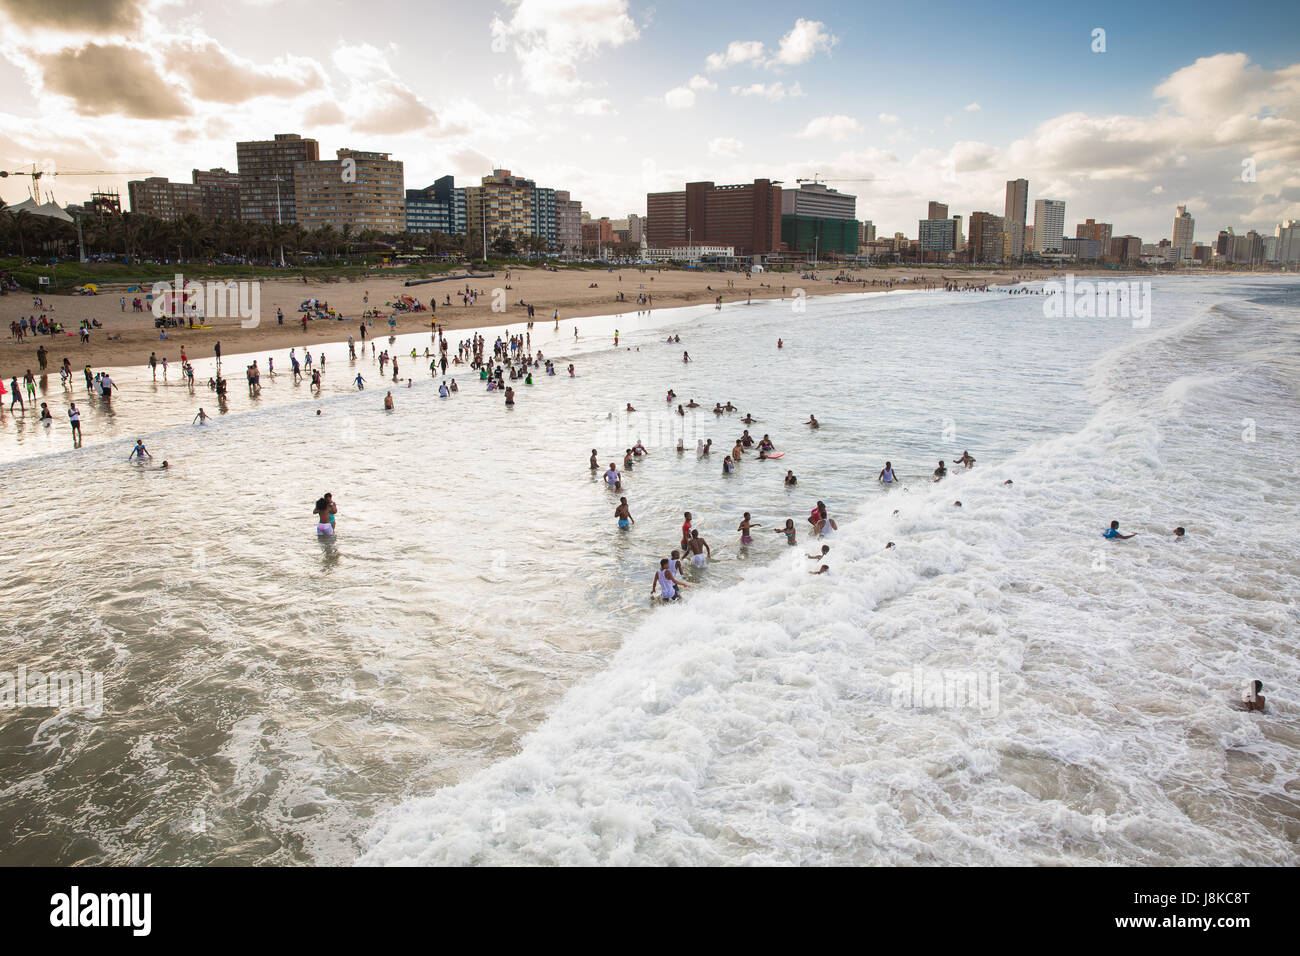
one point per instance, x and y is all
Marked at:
(570, 291)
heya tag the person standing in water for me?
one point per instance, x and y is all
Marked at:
(664, 579)
(324, 523)
(744, 528)
(699, 549)
(886, 476)
(1113, 532)
(812, 420)
(624, 515)
(74, 416)
(139, 452)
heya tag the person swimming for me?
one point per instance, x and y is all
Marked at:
(790, 479)
(1251, 698)
(728, 466)
(812, 420)
(1113, 532)
(941, 472)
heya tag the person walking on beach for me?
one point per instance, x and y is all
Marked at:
(15, 395)
(74, 416)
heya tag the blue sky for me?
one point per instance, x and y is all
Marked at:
(611, 98)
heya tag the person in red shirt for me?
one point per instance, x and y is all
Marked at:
(686, 530)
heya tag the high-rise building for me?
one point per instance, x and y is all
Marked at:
(1084, 250)
(987, 232)
(502, 201)
(666, 219)
(160, 198)
(1049, 225)
(545, 225)
(936, 235)
(267, 191)
(1014, 212)
(1247, 250)
(937, 210)
(1184, 226)
(1288, 241)
(635, 228)
(568, 223)
(818, 201)
(866, 231)
(219, 193)
(363, 190)
(958, 237)
(1125, 248)
(1091, 229)
(746, 217)
(436, 208)
(820, 235)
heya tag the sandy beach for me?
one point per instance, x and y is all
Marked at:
(127, 337)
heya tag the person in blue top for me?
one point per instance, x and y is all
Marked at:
(139, 451)
(1113, 532)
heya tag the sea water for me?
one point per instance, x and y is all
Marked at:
(472, 670)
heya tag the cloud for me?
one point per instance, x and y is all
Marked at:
(725, 146)
(831, 127)
(377, 100)
(323, 113)
(737, 52)
(804, 41)
(110, 78)
(550, 38)
(679, 98)
(701, 84)
(971, 107)
(90, 16)
(771, 91)
(887, 118)
(215, 75)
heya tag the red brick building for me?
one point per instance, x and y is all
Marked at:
(746, 217)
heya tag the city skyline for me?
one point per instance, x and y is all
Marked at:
(581, 94)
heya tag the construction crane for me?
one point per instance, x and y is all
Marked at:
(38, 174)
(818, 179)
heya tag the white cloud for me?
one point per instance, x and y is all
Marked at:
(550, 38)
(972, 107)
(737, 52)
(702, 84)
(771, 91)
(887, 118)
(725, 146)
(679, 98)
(804, 41)
(832, 127)
(587, 107)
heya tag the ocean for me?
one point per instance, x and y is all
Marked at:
(472, 671)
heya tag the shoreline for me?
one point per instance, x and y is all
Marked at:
(573, 295)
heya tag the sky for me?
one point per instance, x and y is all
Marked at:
(1122, 110)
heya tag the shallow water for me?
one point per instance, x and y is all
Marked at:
(472, 671)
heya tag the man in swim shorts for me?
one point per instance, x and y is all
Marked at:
(699, 548)
(624, 516)
(743, 528)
